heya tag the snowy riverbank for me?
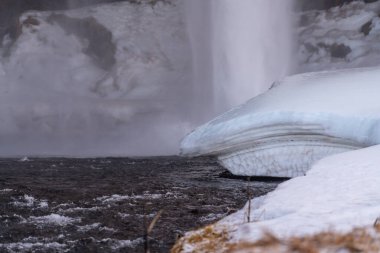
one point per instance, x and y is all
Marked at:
(335, 206)
(339, 194)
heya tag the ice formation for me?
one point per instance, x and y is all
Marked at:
(299, 121)
(338, 194)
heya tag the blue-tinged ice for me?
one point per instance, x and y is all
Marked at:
(302, 119)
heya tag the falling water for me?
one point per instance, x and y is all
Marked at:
(240, 47)
(114, 79)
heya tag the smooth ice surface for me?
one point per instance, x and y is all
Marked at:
(342, 104)
(339, 193)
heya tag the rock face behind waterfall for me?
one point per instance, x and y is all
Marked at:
(303, 119)
(95, 81)
(338, 38)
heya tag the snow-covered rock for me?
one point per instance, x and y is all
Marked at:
(341, 37)
(338, 194)
(303, 119)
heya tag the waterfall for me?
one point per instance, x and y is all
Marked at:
(240, 47)
(114, 79)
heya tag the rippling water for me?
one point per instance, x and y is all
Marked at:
(103, 205)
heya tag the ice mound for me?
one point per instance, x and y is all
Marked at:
(302, 119)
(338, 194)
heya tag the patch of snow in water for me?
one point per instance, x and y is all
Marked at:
(25, 201)
(81, 209)
(124, 215)
(53, 219)
(43, 204)
(212, 217)
(117, 197)
(30, 201)
(175, 195)
(8, 218)
(108, 229)
(151, 215)
(5, 190)
(119, 244)
(24, 159)
(89, 227)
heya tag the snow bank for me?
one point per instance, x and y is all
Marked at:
(321, 113)
(338, 194)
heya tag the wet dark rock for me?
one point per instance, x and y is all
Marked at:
(10, 10)
(366, 28)
(311, 48)
(96, 38)
(325, 4)
(30, 21)
(339, 50)
(307, 19)
(227, 174)
(336, 50)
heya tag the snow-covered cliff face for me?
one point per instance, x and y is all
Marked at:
(341, 37)
(103, 80)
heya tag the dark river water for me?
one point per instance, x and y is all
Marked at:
(105, 204)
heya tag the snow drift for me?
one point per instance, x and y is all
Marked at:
(299, 121)
(338, 194)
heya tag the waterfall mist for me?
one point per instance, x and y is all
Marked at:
(133, 79)
(239, 48)
(105, 80)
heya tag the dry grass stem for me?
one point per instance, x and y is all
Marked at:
(149, 229)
